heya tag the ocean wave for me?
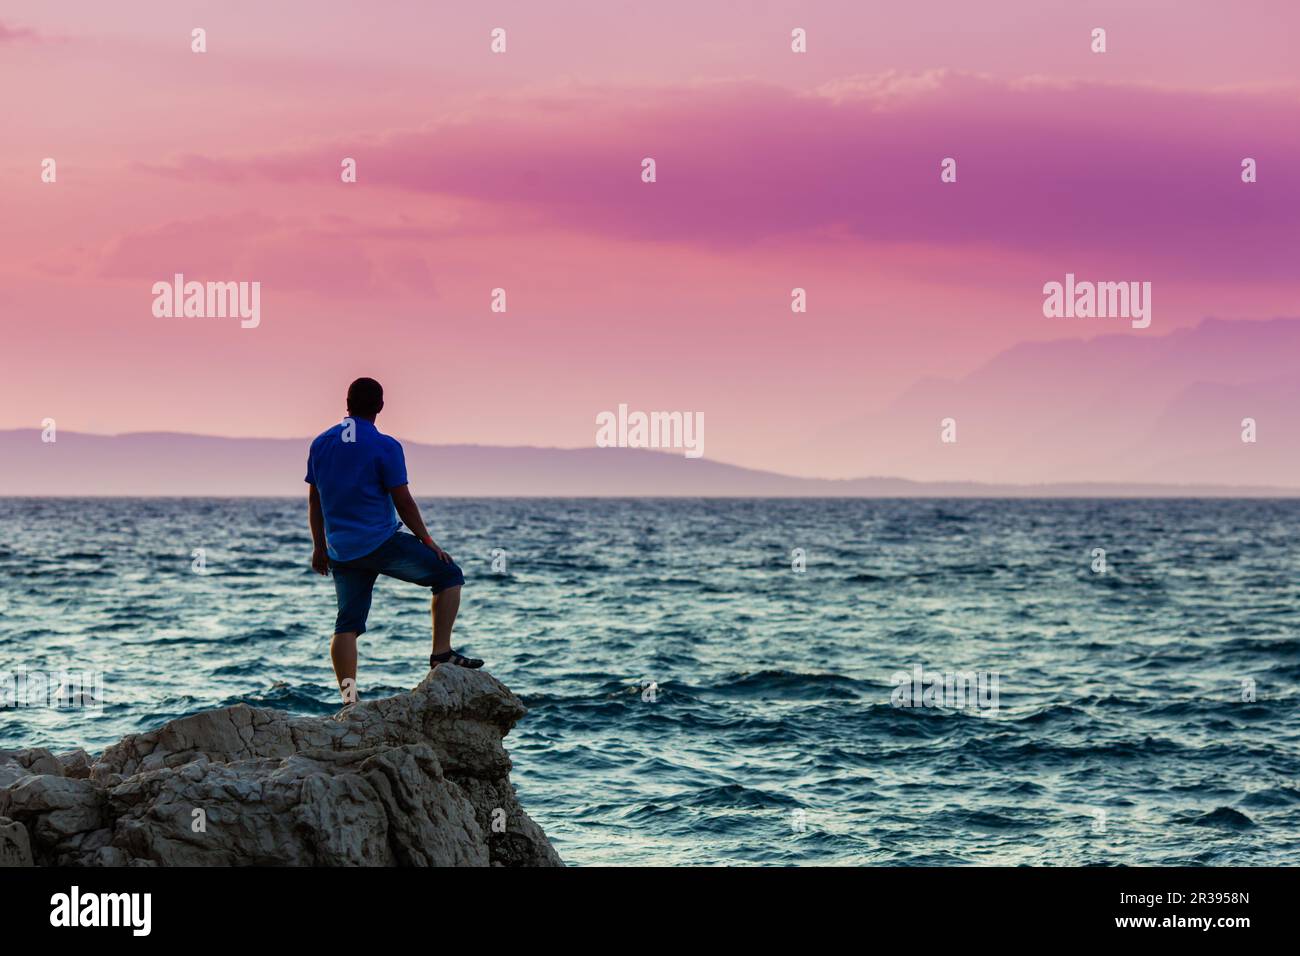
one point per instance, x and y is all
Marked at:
(1220, 817)
(769, 736)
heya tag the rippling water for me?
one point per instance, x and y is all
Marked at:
(1120, 733)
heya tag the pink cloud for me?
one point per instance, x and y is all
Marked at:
(1063, 168)
(10, 34)
(330, 258)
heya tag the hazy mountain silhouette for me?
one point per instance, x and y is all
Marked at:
(1122, 407)
(1123, 414)
(166, 463)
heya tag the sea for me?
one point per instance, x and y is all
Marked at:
(843, 682)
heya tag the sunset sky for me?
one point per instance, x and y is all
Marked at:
(521, 170)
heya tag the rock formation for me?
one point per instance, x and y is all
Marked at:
(420, 779)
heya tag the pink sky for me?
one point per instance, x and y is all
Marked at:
(522, 171)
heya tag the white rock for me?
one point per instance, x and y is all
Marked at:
(411, 780)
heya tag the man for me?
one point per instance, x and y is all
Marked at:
(358, 492)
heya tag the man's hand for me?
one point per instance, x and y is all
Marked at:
(442, 555)
(320, 561)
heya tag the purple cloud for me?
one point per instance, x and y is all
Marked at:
(1068, 169)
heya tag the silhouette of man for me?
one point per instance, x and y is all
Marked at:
(358, 492)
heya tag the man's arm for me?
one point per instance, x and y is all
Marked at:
(320, 561)
(409, 512)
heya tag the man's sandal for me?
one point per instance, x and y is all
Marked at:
(451, 657)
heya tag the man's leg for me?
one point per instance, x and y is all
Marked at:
(406, 558)
(354, 587)
(343, 652)
(443, 609)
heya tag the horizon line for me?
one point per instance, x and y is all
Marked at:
(1229, 491)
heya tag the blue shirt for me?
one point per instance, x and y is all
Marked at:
(354, 469)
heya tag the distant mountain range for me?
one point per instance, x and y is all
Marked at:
(1129, 407)
(173, 464)
(1129, 414)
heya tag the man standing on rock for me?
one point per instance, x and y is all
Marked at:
(358, 492)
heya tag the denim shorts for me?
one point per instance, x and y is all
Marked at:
(403, 556)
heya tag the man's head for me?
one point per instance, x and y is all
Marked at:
(365, 398)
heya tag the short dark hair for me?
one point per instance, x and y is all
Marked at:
(365, 398)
